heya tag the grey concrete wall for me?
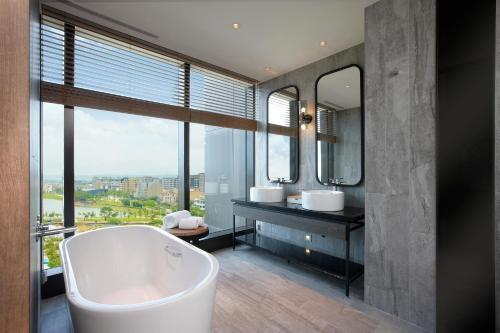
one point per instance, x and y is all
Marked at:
(400, 119)
(304, 78)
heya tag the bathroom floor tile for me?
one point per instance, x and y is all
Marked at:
(54, 315)
(258, 292)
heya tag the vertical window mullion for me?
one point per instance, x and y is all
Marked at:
(184, 146)
(69, 133)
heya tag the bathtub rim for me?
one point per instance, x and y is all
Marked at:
(76, 299)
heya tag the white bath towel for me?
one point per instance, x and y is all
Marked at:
(192, 222)
(172, 220)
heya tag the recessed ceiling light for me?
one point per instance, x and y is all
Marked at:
(323, 43)
(267, 69)
(348, 85)
(236, 25)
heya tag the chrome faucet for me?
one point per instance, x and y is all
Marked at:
(279, 181)
(336, 182)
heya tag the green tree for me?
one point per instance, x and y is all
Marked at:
(114, 220)
(106, 212)
(126, 202)
(51, 249)
(137, 204)
(196, 211)
(83, 196)
(156, 223)
(150, 203)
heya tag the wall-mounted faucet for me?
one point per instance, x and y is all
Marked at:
(279, 181)
(336, 182)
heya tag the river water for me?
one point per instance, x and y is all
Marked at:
(56, 206)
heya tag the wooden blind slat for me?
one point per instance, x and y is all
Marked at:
(79, 97)
(282, 130)
(326, 138)
(222, 120)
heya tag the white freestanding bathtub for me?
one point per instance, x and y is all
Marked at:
(138, 279)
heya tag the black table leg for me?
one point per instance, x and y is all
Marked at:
(234, 232)
(347, 249)
(254, 232)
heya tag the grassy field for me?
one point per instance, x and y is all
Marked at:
(53, 196)
(115, 209)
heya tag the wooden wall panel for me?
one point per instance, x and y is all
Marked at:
(14, 165)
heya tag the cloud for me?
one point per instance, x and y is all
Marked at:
(279, 156)
(111, 143)
(53, 140)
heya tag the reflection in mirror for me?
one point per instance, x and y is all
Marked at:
(339, 136)
(283, 135)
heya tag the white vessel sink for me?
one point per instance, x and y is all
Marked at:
(323, 200)
(266, 194)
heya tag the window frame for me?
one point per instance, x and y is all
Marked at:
(215, 240)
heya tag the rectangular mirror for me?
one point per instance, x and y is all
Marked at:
(339, 127)
(283, 135)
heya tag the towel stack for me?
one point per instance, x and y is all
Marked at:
(182, 220)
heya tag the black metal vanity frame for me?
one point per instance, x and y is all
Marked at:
(336, 224)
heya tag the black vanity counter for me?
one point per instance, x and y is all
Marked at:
(348, 215)
(338, 225)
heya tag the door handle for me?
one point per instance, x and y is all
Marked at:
(43, 230)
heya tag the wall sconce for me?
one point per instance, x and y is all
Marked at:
(304, 118)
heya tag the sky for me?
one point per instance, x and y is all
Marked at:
(117, 144)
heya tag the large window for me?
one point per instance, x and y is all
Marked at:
(124, 102)
(53, 179)
(126, 169)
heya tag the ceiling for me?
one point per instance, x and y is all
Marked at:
(275, 36)
(341, 90)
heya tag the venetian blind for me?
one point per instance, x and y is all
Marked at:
(282, 107)
(326, 121)
(89, 68)
(211, 91)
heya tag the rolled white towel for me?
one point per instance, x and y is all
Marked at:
(172, 220)
(192, 222)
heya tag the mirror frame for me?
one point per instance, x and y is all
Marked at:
(362, 106)
(297, 149)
